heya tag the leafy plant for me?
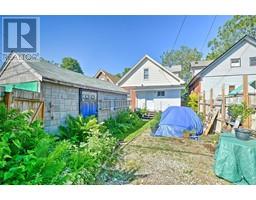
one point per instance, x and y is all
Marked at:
(123, 124)
(141, 112)
(242, 110)
(78, 129)
(28, 155)
(193, 101)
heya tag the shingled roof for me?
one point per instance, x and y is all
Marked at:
(53, 72)
(114, 79)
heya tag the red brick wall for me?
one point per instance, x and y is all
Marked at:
(196, 87)
(133, 97)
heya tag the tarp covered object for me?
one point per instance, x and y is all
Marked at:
(177, 119)
(235, 160)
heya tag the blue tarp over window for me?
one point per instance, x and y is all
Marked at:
(177, 119)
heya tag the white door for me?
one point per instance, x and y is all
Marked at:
(150, 105)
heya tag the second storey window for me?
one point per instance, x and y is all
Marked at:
(252, 61)
(145, 73)
(235, 62)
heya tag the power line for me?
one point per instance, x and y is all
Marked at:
(206, 38)
(178, 34)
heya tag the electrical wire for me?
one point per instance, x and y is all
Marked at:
(206, 38)
(178, 34)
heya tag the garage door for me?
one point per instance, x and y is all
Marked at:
(88, 103)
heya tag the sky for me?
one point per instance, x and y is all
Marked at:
(115, 42)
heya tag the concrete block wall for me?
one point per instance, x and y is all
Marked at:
(104, 114)
(1, 94)
(60, 101)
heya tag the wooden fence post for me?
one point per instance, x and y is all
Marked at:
(211, 99)
(8, 99)
(204, 105)
(199, 98)
(245, 98)
(223, 107)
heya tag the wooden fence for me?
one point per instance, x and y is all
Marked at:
(24, 100)
(216, 110)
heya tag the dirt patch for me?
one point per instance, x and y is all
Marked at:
(158, 160)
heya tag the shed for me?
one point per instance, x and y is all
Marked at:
(64, 92)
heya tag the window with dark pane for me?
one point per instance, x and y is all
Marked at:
(146, 74)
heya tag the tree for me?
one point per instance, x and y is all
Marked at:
(71, 64)
(126, 69)
(182, 57)
(233, 30)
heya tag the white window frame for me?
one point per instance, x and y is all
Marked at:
(234, 65)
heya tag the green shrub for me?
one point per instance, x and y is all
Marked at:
(28, 155)
(78, 129)
(242, 110)
(141, 112)
(193, 101)
(123, 124)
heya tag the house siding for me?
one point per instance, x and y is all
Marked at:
(150, 100)
(222, 73)
(156, 76)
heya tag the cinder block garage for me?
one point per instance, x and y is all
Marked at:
(64, 92)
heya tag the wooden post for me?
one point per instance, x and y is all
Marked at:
(204, 105)
(245, 98)
(223, 107)
(211, 99)
(199, 98)
(8, 99)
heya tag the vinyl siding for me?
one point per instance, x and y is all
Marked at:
(223, 73)
(157, 76)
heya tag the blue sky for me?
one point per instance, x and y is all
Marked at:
(115, 42)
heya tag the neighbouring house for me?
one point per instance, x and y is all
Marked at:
(227, 69)
(106, 76)
(197, 66)
(175, 69)
(152, 86)
(64, 92)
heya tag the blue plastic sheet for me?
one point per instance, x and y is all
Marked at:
(177, 119)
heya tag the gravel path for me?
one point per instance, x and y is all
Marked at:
(168, 161)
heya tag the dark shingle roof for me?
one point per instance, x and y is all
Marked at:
(53, 72)
(113, 78)
(200, 63)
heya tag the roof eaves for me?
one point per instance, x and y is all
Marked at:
(245, 38)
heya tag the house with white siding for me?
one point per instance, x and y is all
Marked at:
(152, 86)
(227, 69)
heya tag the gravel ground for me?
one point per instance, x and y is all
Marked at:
(168, 161)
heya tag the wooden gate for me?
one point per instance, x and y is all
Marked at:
(26, 101)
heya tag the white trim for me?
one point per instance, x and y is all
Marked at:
(98, 72)
(125, 77)
(212, 65)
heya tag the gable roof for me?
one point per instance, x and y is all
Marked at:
(200, 63)
(114, 79)
(246, 38)
(53, 73)
(174, 68)
(146, 57)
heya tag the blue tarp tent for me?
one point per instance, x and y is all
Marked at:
(177, 119)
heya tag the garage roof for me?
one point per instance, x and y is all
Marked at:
(53, 72)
